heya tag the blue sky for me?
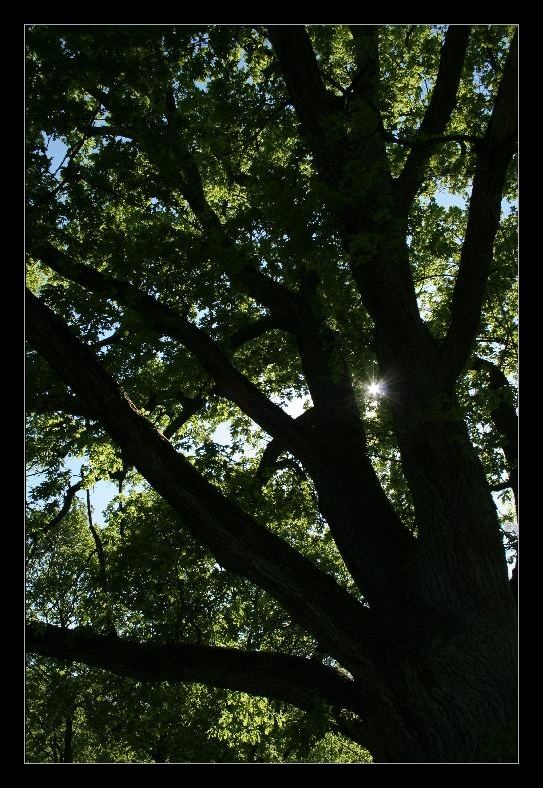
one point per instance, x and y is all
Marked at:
(56, 150)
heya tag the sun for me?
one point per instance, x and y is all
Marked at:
(376, 389)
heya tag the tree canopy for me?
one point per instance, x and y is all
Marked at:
(271, 297)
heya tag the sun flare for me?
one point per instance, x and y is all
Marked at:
(376, 389)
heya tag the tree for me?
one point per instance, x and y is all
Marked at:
(249, 221)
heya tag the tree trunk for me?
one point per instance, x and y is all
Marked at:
(67, 753)
(447, 651)
(425, 654)
(457, 699)
(452, 654)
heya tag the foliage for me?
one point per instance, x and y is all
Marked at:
(187, 165)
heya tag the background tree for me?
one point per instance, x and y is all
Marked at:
(308, 235)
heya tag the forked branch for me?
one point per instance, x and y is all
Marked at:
(437, 115)
(496, 151)
(237, 541)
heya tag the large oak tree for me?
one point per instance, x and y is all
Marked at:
(307, 233)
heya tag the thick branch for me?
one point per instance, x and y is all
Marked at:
(186, 178)
(268, 462)
(371, 538)
(238, 542)
(351, 160)
(304, 81)
(296, 680)
(312, 102)
(277, 298)
(504, 418)
(498, 147)
(251, 331)
(366, 79)
(191, 405)
(229, 381)
(373, 542)
(50, 403)
(273, 450)
(437, 114)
